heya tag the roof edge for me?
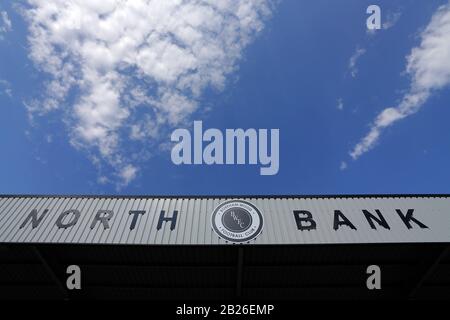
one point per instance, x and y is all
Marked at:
(290, 196)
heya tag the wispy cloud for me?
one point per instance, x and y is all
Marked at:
(352, 64)
(5, 24)
(137, 66)
(391, 20)
(429, 68)
(128, 174)
(340, 104)
(5, 88)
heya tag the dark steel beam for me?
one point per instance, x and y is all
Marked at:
(51, 268)
(430, 270)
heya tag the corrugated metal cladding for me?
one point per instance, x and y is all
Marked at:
(429, 220)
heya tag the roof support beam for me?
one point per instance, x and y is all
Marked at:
(431, 269)
(51, 268)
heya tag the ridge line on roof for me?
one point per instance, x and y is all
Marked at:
(330, 196)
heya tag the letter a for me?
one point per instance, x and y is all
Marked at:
(74, 280)
(374, 20)
(181, 152)
(374, 280)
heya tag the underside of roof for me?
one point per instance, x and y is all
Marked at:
(225, 273)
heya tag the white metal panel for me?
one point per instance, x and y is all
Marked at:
(193, 225)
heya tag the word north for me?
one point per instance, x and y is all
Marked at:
(238, 146)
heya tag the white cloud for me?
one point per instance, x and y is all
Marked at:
(391, 20)
(343, 166)
(429, 68)
(5, 24)
(340, 104)
(102, 180)
(5, 88)
(352, 64)
(49, 138)
(137, 66)
(128, 174)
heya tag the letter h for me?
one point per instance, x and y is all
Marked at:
(172, 219)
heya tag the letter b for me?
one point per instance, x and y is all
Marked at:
(304, 220)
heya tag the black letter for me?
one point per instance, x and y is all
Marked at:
(340, 220)
(59, 222)
(409, 217)
(103, 220)
(162, 219)
(34, 219)
(135, 214)
(380, 220)
(308, 218)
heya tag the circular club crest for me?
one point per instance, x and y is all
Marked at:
(237, 221)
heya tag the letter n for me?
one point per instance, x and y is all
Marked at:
(379, 220)
(35, 220)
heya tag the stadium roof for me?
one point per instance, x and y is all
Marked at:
(189, 220)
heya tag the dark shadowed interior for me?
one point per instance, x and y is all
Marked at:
(230, 272)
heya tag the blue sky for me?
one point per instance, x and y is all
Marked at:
(290, 69)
